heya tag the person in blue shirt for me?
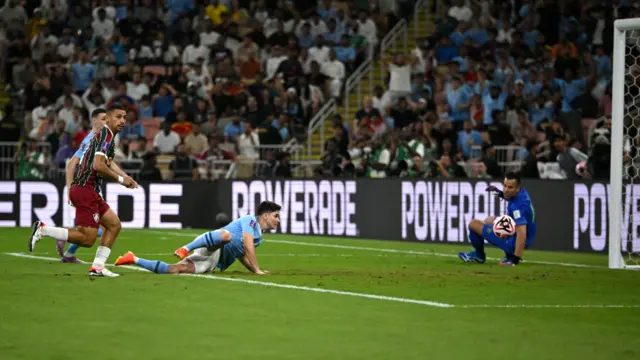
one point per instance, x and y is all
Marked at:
(83, 73)
(494, 100)
(218, 248)
(467, 139)
(459, 100)
(520, 209)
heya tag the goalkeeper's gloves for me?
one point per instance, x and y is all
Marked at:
(499, 193)
(510, 260)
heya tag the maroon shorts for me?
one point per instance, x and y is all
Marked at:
(89, 206)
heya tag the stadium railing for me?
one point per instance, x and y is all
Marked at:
(420, 6)
(507, 156)
(317, 123)
(355, 81)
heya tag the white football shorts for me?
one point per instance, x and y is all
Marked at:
(204, 259)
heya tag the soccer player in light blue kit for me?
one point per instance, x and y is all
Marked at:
(219, 248)
(99, 119)
(520, 208)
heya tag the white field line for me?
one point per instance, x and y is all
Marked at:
(376, 297)
(395, 251)
(276, 285)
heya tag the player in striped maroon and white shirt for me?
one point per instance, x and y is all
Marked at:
(92, 211)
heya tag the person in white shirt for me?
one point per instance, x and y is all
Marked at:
(270, 26)
(208, 37)
(273, 63)
(66, 113)
(335, 70)
(68, 91)
(103, 26)
(248, 143)
(318, 27)
(194, 51)
(141, 52)
(460, 11)
(40, 113)
(367, 28)
(66, 48)
(136, 89)
(400, 80)
(319, 52)
(165, 141)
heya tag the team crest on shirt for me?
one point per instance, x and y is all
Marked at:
(96, 217)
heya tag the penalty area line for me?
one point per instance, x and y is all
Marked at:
(395, 251)
(275, 285)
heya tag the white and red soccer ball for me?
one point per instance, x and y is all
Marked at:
(504, 226)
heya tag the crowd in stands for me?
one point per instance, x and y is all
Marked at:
(220, 79)
(500, 85)
(202, 80)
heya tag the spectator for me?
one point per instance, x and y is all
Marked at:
(133, 128)
(335, 70)
(468, 139)
(165, 142)
(568, 157)
(83, 73)
(248, 143)
(183, 167)
(233, 129)
(195, 142)
(149, 171)
(489, 161)
(530, 167)
(103, 26)
(182, 126)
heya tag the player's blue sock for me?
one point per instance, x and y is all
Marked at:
(208, 240)
(73, 248)
(156, 266)
(478, 243)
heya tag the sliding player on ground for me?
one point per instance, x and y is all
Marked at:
(99, 119)
(219, 248)
(91, 210)
(520, 208)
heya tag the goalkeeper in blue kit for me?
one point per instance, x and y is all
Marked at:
(520, 208)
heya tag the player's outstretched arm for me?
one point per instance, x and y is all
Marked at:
(118, 170)
(250, 260)
(100, 165)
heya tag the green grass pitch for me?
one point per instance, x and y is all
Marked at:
(343, 299)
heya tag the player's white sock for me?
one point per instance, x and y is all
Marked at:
(102, 254)
(56, 232)
(135, 259)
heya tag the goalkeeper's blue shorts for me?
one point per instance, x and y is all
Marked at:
(508, 245)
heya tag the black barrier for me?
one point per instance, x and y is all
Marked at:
(570, 216)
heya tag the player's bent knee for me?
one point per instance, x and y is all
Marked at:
(226, 236)
(476, 226)
(88, 236)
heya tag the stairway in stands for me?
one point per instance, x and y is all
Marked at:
(426, 26)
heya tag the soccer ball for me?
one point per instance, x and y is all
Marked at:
(504, 226)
